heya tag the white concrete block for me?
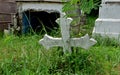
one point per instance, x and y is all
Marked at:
(107, 27)
(108, 23)
(109, 11)
(111, 1)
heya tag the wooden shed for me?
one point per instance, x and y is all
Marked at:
(7, 9)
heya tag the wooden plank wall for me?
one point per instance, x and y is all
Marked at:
(7, 8)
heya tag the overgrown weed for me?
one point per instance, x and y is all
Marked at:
(24, 56)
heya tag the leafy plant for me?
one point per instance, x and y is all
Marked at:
(77, 10)
(85, 5)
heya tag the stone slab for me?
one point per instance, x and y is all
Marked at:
(107, 27)
(112, 1)
(108, 23)
(109, 11)
(40, 7)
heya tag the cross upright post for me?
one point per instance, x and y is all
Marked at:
(65, 31)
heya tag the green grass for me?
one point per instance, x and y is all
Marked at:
(24, 56)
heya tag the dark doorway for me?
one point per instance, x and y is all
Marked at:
(40, 21)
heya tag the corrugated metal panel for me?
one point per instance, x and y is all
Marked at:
(7, 8)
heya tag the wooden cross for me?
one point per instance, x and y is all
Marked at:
(66, 42)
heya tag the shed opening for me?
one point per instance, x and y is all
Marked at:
(39, 21)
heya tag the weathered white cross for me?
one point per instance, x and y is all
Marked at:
(66, 42)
